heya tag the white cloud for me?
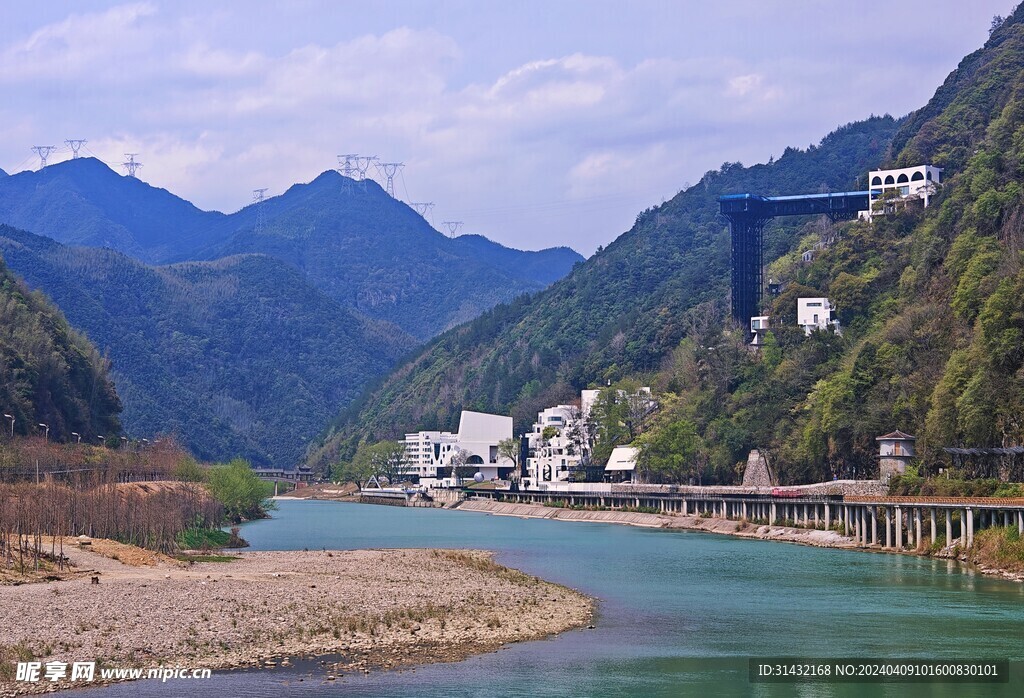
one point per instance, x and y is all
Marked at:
(83, 45)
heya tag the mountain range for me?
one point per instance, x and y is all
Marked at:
(245, 333)
(362, 247)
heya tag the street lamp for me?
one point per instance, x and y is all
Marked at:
(47, 428)
(10, 417)
(75, 433)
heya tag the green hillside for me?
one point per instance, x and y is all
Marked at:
(49, 373)
(375, 254)
(241, 356)
(621, 312)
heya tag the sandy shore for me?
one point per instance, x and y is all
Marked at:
(376, 608)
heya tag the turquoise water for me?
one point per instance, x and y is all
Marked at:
(680, 612)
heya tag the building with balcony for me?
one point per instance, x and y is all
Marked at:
(911, 183)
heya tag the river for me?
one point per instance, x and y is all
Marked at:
(680, 612)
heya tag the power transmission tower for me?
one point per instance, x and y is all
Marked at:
(131, 165)
(453, 227)
(43, 151)
(422, 208)
(389, 170)
(347, 165)
(362, 165)
(257, 199)
(75, 144)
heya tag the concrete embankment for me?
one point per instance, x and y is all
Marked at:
(824, 539)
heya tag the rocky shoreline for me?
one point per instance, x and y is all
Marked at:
(374, 608)
(802, 536)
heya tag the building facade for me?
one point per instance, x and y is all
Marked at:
(920, 182)
(815, 314)
(475, 445)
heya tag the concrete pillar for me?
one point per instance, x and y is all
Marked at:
(899, 528)
(863, 521)
(888, 527)
(773, 512)
(846, 519)
(1006, 519)
(949, 527)
(918, 540)
(874, 526)
(817, 519)
(807, 516)
(970, 527)
(828, 516)
(932, 517)
(1020, 521)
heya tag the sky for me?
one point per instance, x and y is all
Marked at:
(534, 123)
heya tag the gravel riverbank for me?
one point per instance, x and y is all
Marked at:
(375, 608)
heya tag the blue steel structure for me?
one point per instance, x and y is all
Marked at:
(748, 214)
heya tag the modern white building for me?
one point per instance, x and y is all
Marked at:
(554, 452)
(758, 326)
(558, 443)
(621, 466)
(815, 314)
(920, 182)
(430, 453)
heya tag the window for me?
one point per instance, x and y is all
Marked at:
(814, 305)
(890, 180)
(917, 177)
(903, 178)
(929, 175)
(904, 191)
(876, 181)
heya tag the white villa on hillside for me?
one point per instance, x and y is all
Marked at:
(918, 182)
(430, 453)
(815, 314)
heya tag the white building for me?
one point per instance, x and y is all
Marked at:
(758, 326)
(430, 453)
(621, 466)
(815, 314)
(554, 453)
(558, 443)
(918, 182)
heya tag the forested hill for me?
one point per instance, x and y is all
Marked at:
(620, 312)
(362, 247)
(50, 374)
(84, 202)
(241, 356)
(374, 253)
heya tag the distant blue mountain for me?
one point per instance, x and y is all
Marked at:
(363, 248)
(84, 202)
